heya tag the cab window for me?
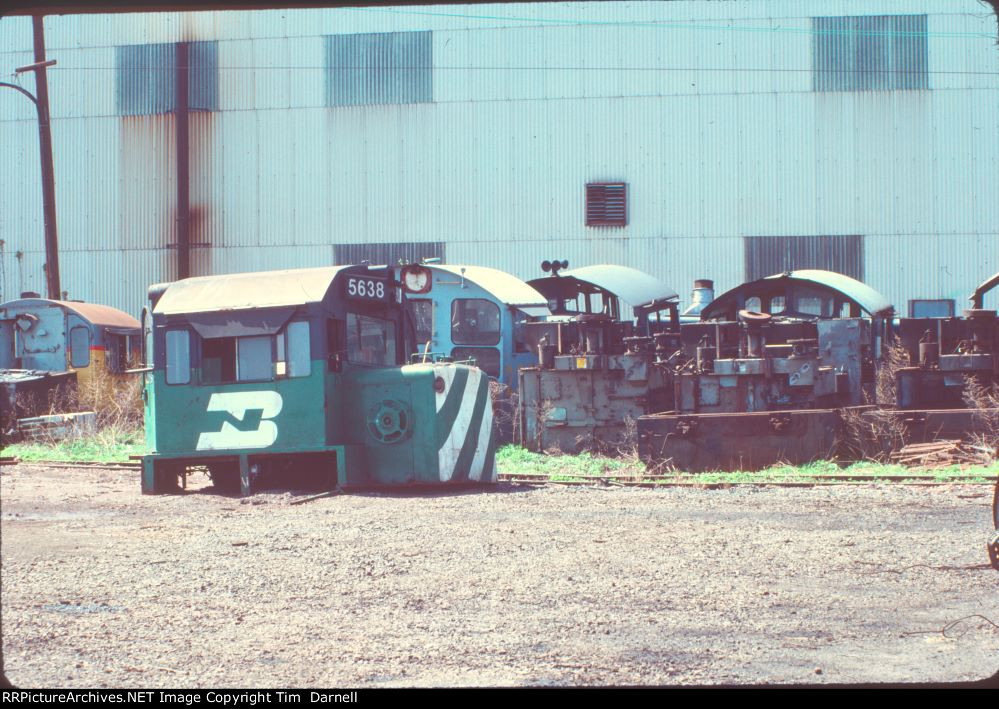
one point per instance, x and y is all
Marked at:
(79, 347)
(475, 321)
(178, 357)
(423, 317)
(370, 340)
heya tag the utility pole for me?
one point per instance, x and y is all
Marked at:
(183, 163)
(45, 149)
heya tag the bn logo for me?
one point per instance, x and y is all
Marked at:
(238, 405)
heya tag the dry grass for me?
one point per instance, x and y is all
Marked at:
(880, 433)
(117, 401)
(984, 397)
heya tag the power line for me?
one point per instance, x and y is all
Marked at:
(533, 68)
(670, 24)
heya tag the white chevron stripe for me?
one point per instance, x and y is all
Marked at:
(447, 456)
(482, 444)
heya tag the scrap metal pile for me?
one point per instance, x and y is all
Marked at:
(791, 368)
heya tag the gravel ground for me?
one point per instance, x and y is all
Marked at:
(103, 587)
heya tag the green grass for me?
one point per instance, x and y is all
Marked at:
(571, 468)
(107, 446)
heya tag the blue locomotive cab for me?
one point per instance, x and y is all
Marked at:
(473, 312)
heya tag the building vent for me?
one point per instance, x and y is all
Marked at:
(767, 255)
(869, 53)
(606, 204)
(382, 68)
(389, 253)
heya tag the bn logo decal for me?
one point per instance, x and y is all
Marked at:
(238, 405)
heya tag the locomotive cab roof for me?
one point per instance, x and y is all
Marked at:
(101, 316)
(255, 303)
(837, 288)
(506, 288)
(636, 288)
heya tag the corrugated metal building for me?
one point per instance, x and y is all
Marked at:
(748, 136)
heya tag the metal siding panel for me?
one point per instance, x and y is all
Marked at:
(756, 164)
(984, 117)
(930, 265)
(912, 122)
(16, 35)
(311, 177)
(145, 79)
(754, 51)
(277, 183)
(835, 180)
(564, 48)
(792, 45)
(683, 191)
(796, 165)
(241, 198)
(21, 223)
(87, 208)
(24, 273)
(873, 163)
(954, 199)
(768, 255)
(237, 82)
(719, 173)
(418, 208)
(908, 52)
(385, 68)
(207, 189)
(388, 253)
(946, 55)
(715, 53)
(384, 189)
(147, 170)
(348, 165)
(271, 77)
(307, 76)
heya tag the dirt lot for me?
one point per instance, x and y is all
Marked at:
(103, 587)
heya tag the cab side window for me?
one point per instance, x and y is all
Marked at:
(370, 340)
(79, 347)
(475, 321)
(178, 357)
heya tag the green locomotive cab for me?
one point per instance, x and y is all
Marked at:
(298, 378)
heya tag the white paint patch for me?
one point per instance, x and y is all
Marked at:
(482, 443)
(447, 456)
(237, 403)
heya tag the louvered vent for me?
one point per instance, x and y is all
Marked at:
(607, 204)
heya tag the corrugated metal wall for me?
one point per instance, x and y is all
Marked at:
(708, 111)
(399, 252)
(767, 255)
(383, 67)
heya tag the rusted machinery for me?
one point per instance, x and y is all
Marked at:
(51, 349)
(947, 354)
(596, 368)
(762, 378)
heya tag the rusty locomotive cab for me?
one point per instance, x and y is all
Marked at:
(761, 378)
(947, 354)
(55, 353)
(596, 369)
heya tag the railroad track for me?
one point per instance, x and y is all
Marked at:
(649, 481)
(678, 481)
(74, 464)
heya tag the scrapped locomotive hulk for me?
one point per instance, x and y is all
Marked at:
(298, 377)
